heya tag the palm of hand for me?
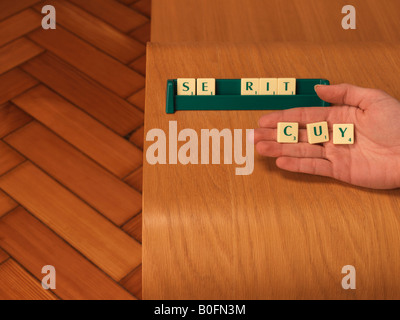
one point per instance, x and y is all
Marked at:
(373, 161)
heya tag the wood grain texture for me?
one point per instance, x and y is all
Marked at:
(76, 134)
(11, 118)
(127, 2)
(10, 7)
(102, 104)
(135, 179)
(142, 33)
(6, 205)
(18, 25)
(139, 65)
(138, 99)
(9, 158)
(17, 52)
(272, 20)
(272, 234)
(133, 282)
(98, 239)
(17, 284)
(89, 136)
(107, 71)
(114, 13)
(143, 6)
(138, 137)
(96, 31)
(34, 246)
(134, 227)
(3, 256)
(103, 191)
(14, 83)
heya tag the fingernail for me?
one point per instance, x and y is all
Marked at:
(250, 136)
(319, 85)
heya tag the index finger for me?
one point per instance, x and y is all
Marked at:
(300, 115)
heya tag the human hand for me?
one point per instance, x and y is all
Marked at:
(373, 160)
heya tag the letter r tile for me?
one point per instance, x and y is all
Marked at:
(250, 86)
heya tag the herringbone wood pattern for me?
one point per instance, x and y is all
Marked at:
(71, 130)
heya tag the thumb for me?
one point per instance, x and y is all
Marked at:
(345, 94)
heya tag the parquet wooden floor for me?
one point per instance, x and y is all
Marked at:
(71, 139)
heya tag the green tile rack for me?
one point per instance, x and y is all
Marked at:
(228, 97)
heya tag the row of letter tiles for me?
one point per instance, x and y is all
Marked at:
(187, 87)
(249, 86)
(268, 86)
(288, 132)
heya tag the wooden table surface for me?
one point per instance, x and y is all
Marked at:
(209, 234)
(272, 20)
